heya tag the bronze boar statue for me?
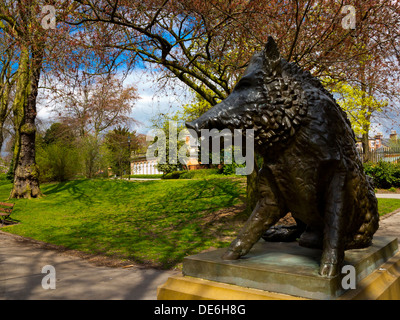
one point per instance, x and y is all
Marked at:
(311, 167)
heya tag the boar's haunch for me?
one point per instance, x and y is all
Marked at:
(311, 166)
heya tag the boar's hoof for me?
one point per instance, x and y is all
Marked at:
(230, 255)
(329, 269)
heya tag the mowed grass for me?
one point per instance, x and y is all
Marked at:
(386, 206)
(156, 223)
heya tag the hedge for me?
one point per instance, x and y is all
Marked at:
(192, 174)
(385, 174)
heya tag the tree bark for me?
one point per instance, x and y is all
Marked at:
(26, 173)
(365, 145)
(6, 87)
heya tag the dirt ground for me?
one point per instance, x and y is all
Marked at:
(386, 191)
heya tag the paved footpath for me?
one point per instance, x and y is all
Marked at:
(388, 195)
(21, 264)
(21, 276)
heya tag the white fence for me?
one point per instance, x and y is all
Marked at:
(144, 167)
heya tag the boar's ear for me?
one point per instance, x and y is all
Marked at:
(272, 56)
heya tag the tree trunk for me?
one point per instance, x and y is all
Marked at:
(4, 108)
(26, 174)
(365, 145)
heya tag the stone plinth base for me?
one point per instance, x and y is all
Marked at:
(286, 271)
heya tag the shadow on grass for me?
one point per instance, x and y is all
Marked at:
(73, 188)
(187, 235)
(70, 186)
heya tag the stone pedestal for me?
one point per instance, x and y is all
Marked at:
(287, 271)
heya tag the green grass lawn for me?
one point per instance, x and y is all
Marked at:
(151, 222)
(156, 223)
(386, 206)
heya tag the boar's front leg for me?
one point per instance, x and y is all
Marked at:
(266, 213)
(335, 224)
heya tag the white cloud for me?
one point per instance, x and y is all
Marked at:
(153, 99)
(385, 122)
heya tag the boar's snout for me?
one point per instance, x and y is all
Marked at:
(193, 125)
(215, 118)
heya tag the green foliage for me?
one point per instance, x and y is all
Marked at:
(144, 176)
(59, 132)
(194, 109)
(385, 174)
(200, 174)
(166, 125)
(358, 104)
(57, 157)
(4, 179)
(194, 174)
(10, 172)
(168, 168)
(93, 156)
(173, 175)
(117, 143)
(57, 162)
(230, 169)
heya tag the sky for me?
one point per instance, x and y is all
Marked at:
(154, 101)
(385, 123)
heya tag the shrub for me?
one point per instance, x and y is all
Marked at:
(173, 175)
(143, 176)
(57, 162)
(192, 174)
(198, 174)
(385, 174)
(230, 169)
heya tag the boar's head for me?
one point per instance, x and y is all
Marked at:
(267, 99)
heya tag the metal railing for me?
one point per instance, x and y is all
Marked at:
(387, 154)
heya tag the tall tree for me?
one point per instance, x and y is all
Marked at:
(121, 144)
(57, 155)
(46, 45)
(207, 44)
(19, 21)
(360, 106)
(93, 104)
(7, 81)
